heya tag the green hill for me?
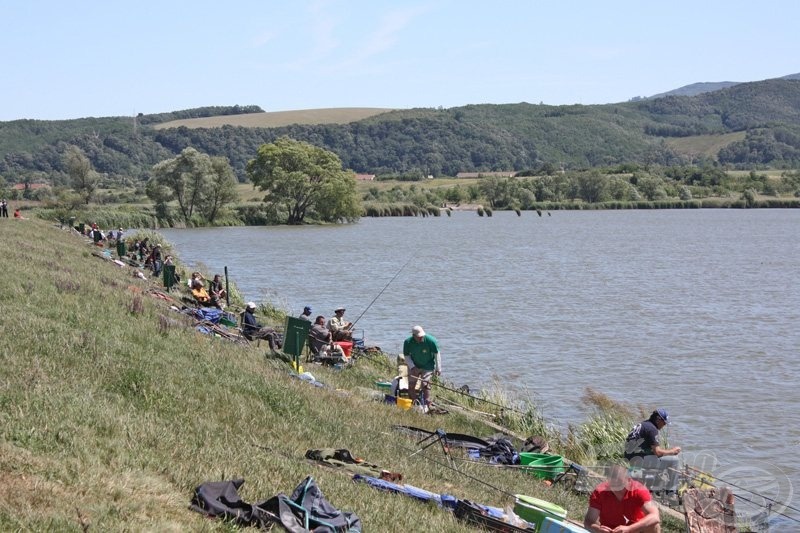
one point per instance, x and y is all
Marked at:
(694, 89)
(440, 142)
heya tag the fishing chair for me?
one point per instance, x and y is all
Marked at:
(653, 472)
(240, 330)
(170, 278)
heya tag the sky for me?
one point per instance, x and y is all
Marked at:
(77, 59)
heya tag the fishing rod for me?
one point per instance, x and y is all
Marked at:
(477, 398)
(768, 507)
(746, 490)
(383, 289)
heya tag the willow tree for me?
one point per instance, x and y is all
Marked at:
(82, 176)
(301, 178)
(199, 183)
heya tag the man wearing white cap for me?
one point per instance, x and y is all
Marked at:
(252, 330)
(339, 327)
(422, 356)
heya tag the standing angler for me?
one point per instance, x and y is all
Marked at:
(424, 360)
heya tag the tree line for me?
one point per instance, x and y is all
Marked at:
(439, 142)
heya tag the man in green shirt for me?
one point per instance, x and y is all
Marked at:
(422, 356)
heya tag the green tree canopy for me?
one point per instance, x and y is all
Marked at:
(82, 176)
(200, 184)
(300, 177)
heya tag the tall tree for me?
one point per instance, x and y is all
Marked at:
(82, 177)
(301, 177)
(220, 190)
(201, 185)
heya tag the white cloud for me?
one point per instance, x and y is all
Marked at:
(382, 38)
(323, 29)
(262, 38)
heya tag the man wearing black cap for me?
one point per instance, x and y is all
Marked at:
(642, 449)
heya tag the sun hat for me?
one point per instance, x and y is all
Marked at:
(251, 305)
(663, 414)
(340, 308)
(417, 331)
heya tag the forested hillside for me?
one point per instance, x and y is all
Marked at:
(438, 141)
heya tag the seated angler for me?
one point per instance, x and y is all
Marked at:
(643, 450)
(252, 330)
(306, 314)
(319, 335)
(200, 294)
(339, 327)
(322, 346)
(156, 260)
(622, 505)
(217, 291)
(195, 276)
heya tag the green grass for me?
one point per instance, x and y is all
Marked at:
(108, 421)
(708, 145)
(275, 119)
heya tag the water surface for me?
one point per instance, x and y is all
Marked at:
(696, 311)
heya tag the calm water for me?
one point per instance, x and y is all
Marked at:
(696, 311)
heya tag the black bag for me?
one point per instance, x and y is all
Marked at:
(306, 509)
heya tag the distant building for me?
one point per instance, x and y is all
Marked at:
(500, 174)
(365, 177)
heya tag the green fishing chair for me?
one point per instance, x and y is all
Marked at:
(168, 272)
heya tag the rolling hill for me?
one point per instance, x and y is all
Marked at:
(694, 89)
(275, 119)
(743, 125)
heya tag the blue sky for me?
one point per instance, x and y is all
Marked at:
(77, 59)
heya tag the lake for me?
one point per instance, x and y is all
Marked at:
(696, 311)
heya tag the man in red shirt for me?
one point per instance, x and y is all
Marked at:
(621, 505)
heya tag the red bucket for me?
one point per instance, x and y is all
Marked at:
(347, 347)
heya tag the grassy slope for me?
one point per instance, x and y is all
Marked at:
(106, 421)
(708, 145)
(341, 115)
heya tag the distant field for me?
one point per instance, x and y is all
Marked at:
(274, 119)
(707, 145)
(771, 173)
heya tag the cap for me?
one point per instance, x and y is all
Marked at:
(663, 414)
(306, 309)
(340, 308)
(417, 331)
(251, 305)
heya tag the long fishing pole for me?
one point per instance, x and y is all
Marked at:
(383, 289)
(746, 490)
(477, 398)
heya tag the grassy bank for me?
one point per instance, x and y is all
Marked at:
(110, 415)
